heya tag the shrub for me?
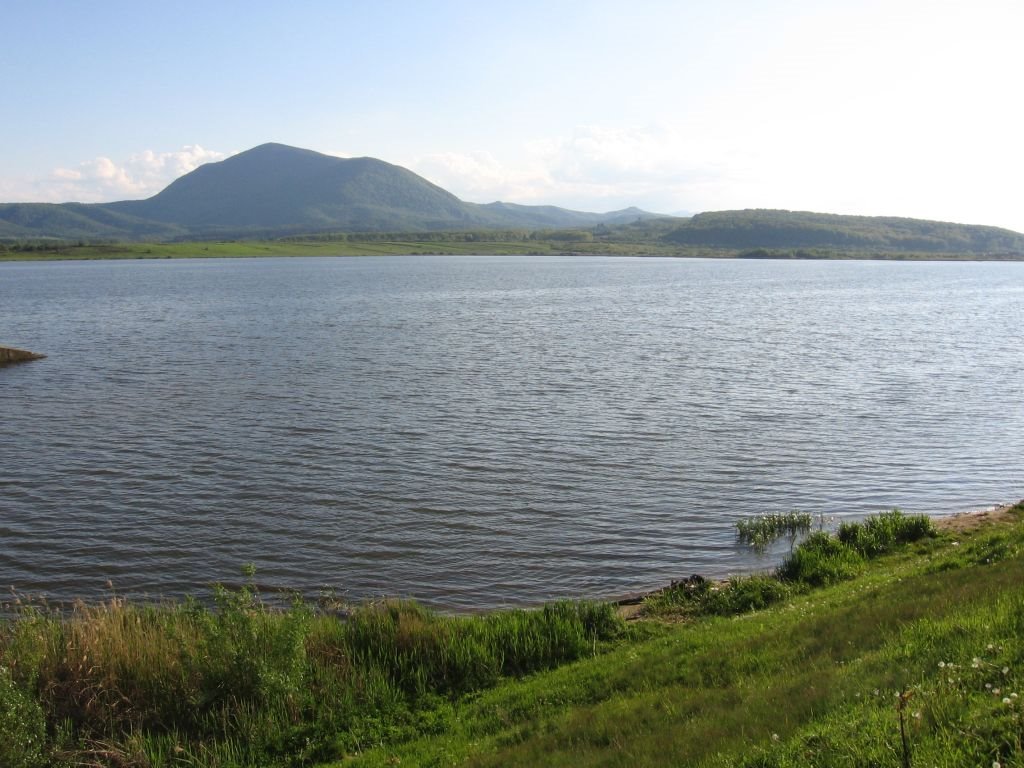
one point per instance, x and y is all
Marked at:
(821, 560)
(249, 653)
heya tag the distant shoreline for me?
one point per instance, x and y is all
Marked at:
(413, 247)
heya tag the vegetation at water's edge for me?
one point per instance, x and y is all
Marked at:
(762, 530)
(372, 244)
(417, 244)
(242, 684)
(883, 629)
(728, 234)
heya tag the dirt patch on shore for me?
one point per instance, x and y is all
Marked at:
(965, 522)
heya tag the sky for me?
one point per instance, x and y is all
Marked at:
(894, 107)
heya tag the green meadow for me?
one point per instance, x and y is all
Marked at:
(400, 246)
(456, 245)
(885, 643)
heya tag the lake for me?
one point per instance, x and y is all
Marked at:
(485, 431)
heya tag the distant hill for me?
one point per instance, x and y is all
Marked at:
(275, 190)
(789, 230)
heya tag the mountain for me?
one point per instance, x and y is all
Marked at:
(278, 188)
(788, 230)
(274, 190)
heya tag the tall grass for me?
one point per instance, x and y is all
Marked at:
(240, 683)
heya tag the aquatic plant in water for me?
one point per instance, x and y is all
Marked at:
(762, 530)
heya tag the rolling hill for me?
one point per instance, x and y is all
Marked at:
(275, 190)
(768, 231)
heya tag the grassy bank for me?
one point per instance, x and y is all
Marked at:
(886, 644)
(351, 247)
(910, 654)
(409, 245)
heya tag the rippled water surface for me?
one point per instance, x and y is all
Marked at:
(482, 431)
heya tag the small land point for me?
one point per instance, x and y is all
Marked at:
(13, 355)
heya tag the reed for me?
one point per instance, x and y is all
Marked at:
(762, 530)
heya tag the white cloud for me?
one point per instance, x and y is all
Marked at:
(103, 179)
(724, 159)
(593, 167)
(68, 174)
(481, 177)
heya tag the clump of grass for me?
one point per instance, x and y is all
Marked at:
(822, 559)
(697, 596)
(884, 532)
(762, 530)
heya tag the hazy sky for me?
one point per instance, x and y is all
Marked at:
(901, 108)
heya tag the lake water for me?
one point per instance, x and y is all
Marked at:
(485, 431)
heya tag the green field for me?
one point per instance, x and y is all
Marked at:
(886, 644)
(257, 248)
(412, 247)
